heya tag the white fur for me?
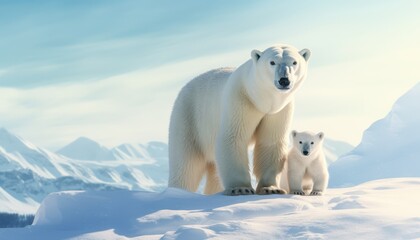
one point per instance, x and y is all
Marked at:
(306, 173)
(217, 115)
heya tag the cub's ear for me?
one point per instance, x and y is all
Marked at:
(294, 133)
(305, 53)
(255, 54)
(320, 135)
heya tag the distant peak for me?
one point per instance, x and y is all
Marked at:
(84, 148)
(4, 131)
(86, 142)
(85, 139)
(6, 134)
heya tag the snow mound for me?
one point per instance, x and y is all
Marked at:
(389, 147)
(384, 209)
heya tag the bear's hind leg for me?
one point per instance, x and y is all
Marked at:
(186, 170)
(212, 180)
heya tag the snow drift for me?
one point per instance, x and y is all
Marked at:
(384, 209)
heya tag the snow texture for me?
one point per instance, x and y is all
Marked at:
(389, 147)
(383, 209)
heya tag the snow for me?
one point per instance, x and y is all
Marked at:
(389, 147)
(382, 209)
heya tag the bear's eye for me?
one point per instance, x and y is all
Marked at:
(272, 63)
(300, 142)
(294, 63)
(312, 142)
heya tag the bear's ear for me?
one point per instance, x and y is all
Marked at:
(320, 135)
(294, 133)
(255, 54)
(305, 53)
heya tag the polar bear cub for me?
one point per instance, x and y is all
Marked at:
(306, 164)
(217, 115)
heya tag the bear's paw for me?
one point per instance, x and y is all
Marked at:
(316, 193)
(270, 190)
(235, 191)
(297, 192)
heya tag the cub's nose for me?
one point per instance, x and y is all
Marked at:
(284, 82)
(306, 153)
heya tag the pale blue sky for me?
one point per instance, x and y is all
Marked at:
(110, 70)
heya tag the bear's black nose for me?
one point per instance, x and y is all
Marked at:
(284, 82)
(305, 153)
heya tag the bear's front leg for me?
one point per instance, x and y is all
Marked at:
(271, 143)
(236, 130)
(319, 187)
(232, 164)
(295, 176)
(268, 163)
(320, 183)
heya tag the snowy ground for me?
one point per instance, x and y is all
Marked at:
(382, 209)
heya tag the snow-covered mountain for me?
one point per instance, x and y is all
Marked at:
(29, 173)
(389, 147)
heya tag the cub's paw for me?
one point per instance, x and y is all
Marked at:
(235, 191)
(316, 193)
(270, 190)
(297, 192)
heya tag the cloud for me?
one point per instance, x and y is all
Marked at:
(132, 107)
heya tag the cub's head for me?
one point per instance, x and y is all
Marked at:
(282, 66)
(307, 143)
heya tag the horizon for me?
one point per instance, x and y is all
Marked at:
(110, 71)
(84, 139)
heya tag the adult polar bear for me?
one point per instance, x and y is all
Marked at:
(217, 115)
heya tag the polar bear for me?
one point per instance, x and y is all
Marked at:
(217, 115)
(306, 168)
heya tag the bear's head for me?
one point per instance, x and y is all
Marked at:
(307, 143)
(282, 67)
